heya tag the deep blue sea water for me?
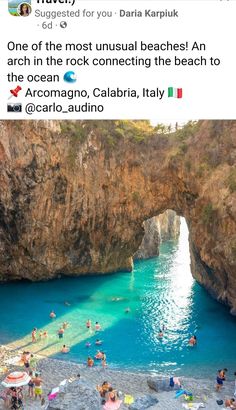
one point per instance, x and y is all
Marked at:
(160, 291)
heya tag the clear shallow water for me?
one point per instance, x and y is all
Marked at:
(160, 291)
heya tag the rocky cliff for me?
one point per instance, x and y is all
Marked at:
(74, 195)
(158, 229)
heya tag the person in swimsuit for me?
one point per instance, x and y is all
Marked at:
(90, 362)
(38, 391)
(192, 341)
(52, 314)
(98, 342)
(231, 403)
(88, 324)
(97, 327)
(220, 379)
(65, 349)
(25, 359)
(31, 385)
(104, 360)
(33, 334)
(33, 363)
(61, 333)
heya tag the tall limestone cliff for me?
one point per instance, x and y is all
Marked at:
(74, 195)
(158, 229)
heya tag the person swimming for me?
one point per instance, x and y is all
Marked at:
(192, 341)
(65, 349)
(87, 344)
(98, 342)
(52, 315)
(127, 310)
(99, 355)
(160, 334)
(97, 327)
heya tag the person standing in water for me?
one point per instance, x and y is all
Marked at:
(97, 327)
(104, 360)
(160, 334)
(220, 379)
(33, 334)
(31, 385)
(61, 332)
(88, 324)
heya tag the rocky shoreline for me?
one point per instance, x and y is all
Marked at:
(53, 371)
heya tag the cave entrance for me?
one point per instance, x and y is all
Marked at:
(160, 229)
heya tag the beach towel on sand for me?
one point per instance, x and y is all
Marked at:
(112, 405)
(194, 406)
(128, 399)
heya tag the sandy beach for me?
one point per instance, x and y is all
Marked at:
(53, 371)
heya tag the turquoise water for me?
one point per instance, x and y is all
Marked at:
(160, 291)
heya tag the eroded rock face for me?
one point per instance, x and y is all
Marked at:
(73, 198)
(163, 227)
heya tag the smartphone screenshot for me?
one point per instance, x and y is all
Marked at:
(117, 204)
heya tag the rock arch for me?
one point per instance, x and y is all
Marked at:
(74, 195)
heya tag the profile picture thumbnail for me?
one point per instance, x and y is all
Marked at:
(19, 8)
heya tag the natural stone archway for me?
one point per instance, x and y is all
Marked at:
(158, 229)
(74, 195)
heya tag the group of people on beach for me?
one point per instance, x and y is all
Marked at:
(13, 398)
(220, 378)
(109, 396)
